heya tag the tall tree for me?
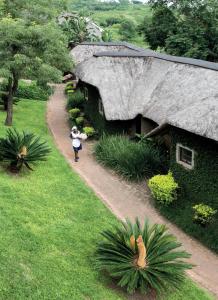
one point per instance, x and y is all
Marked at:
(30, 51)
(184, 27)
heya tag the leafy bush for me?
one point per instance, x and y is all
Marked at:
(75, 100)
(131, 160)
(203, 213)
(21, 149)
(142, 259)
(74, 112)
(163, 188)
(89, 131)
(80, 121)
(32, 91)
(113, 20)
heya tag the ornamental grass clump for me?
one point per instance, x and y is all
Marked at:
(132, 160)
(22, 149)
(75, 99)
(163, 188)
(142, 258)
(203, 214)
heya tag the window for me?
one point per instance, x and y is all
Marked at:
(100, 107)
(86, 94)
(185, 156)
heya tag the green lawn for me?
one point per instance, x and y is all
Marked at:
(50, 223)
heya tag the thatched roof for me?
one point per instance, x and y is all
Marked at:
(179, 91)
(87, 49)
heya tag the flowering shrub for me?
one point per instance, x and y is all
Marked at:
(89, 131)
(163, 188)
(203, 213)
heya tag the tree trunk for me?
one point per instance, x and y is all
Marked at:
(12, 89)
(5, 100)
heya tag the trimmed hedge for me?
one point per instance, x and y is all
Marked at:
(163, 188)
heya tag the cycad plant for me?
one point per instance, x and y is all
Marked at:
(145, 259)
(22, 149)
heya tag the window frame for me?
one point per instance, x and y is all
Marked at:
(100, 107)
(178, 155)
(86, 93)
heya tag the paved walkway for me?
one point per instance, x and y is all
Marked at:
(125, 199)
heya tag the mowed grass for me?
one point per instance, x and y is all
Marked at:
(50, 222)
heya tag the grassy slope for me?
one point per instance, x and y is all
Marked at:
(50, 223)
(135, 12)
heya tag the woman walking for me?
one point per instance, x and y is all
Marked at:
(76, 137)
(76, 143)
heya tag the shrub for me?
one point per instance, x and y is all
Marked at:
(74, 112)
(21, 149)
(70, 92)
(80, 121)
(163, 188)
(131, 160)
(69, 87)
(89, 131)
(203, 214)
(142, 259)
(32, 91)
(75, 100)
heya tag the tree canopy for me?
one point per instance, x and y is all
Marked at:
(32, 45)
(184, 27)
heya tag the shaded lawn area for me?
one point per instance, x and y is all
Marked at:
(180, 212)
(50, 223)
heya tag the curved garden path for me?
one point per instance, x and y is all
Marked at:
(125, 199)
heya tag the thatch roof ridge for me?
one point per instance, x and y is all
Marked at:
(150, 53)
(85, 50)
(118, 43)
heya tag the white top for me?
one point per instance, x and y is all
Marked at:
(76, 139)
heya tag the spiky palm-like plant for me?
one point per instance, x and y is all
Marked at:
(145, 259)
(22, 149)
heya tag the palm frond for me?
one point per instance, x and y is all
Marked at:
(165, 263)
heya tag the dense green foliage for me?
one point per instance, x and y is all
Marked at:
(30, 48)
(110, 16)
(22, 149)
(162, 266)
(76, 29)
(32, 91)
(75, 99)
(196, 186)
(127, 29)
(163, 188)
(132, 160)
(184, 28)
